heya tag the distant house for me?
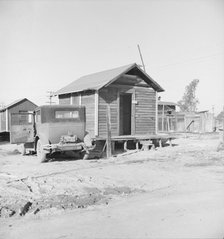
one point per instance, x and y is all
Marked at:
(21, 105)
(219, 120)
(199, 122)
(166, 116)
(170, 120)
(130, 93)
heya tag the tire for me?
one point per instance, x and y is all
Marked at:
(41, 154)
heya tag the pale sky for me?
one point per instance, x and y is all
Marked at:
(45, 45)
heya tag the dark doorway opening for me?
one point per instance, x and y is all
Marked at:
(125, 114)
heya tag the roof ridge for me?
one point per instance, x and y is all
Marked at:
(111, 69)
(97, 80)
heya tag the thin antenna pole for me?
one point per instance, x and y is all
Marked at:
(141, 58)
(51, 94)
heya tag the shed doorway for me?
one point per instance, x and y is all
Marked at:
(125, 114)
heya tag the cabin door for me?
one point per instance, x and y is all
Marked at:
(22, 128)
(125, 113)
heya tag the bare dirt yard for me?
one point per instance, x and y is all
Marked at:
(170, 192)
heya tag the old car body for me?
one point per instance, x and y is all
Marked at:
(50, 128)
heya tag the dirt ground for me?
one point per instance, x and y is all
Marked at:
(170, 192)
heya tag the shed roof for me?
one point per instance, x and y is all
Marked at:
(166, 103)
(14, 103)
(100, 79)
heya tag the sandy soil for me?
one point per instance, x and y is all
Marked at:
(171, 192)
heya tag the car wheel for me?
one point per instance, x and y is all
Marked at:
(41, 154)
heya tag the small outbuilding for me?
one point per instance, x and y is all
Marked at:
(130, 93)
(166, 116)
(21, 105)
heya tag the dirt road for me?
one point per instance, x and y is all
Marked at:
(170, 192)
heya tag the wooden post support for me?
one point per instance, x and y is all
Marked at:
(160, 143)
(109, 149)
(126, 145)
(137, 145)
(170, 142)
(168, 123)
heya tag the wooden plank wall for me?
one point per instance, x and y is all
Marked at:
(106, 96)
(2, 121)
(88, 100)
(76, 99)
(24, 106)
(64, 99)
(145, 110)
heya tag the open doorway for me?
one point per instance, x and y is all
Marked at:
(125, 113)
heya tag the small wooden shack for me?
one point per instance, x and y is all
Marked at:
(21, 105)
(198, 122)
(166, 116)
(130, 93)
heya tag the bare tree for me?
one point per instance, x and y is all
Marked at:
(189, 100)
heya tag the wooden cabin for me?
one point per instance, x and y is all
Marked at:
(130, 93)
(21, 105)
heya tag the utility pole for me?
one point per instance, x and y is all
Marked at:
(50, 96)
(143, 65)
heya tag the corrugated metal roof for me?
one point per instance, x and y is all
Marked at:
(98, 80)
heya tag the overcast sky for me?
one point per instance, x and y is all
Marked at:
(45, 45)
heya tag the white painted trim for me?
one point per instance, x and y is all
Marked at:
(7, 120)
(80, 99)
(96, 116)
(71, 99)
(156, 119)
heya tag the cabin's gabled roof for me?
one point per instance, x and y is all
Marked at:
(104, 78)
(14, 103)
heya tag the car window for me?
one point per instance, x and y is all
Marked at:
(66, 114)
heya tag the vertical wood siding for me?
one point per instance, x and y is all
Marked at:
(108, 96)
(2, 121)
(88, 100)
(23, 106)
(64, 99)
(145, 111)
(76, 99)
